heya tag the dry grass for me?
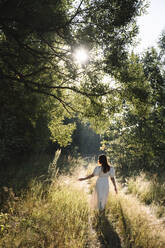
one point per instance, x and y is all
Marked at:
(135, 223)
(149, 191)
(54, 215)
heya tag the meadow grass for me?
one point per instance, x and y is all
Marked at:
(137, 226)
(133, 222)
(150, 190)
(59, 219)
(53, 214)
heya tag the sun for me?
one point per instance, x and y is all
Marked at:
(81, 55)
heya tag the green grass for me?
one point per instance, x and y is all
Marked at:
(57, 218)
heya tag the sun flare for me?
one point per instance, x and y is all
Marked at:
(81, 55)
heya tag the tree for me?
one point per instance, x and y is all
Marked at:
(37, 42)
(135, 139)
(38, 39)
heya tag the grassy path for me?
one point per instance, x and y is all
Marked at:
(106, 233)
(58, 215)
(127, 223)
(102, 231)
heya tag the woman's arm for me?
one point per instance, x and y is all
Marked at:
(114, 184)
(84, 178)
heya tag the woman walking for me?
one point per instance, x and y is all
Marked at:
(102, 184)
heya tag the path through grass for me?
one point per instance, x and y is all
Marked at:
(57, 214)
(128, 223)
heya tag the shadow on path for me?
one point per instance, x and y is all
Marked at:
(106, 234)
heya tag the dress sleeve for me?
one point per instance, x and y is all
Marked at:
(112, 172)
(96, 171)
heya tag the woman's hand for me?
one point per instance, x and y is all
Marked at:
(114, 184)
(116, 190)
(81, 179)
(85, 178)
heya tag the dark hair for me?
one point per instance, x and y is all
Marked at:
(104, 163)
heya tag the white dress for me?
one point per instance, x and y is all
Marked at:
(102, 186)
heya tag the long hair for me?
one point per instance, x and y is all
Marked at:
(104, 163)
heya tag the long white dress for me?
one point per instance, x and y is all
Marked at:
(102, 186)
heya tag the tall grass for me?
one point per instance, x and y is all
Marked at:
(54, 213)
(47, 215)
(134, 223)
(149, 190)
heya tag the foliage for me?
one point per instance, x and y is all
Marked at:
(135, 137)
(46, 41)
(23, 119)
(40, 81)
(15, 176)
(84, 140)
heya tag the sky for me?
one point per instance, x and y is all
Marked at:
(151, 25)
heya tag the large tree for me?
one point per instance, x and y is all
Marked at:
(37, 43)
(38, 39)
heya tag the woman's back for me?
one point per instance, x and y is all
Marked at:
(98, 171)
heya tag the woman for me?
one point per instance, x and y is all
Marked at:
(102, 184)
